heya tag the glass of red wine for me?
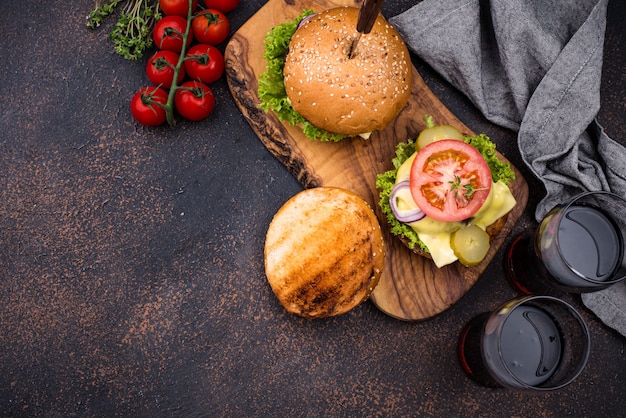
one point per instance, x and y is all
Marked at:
(536, 343)
(578, 248)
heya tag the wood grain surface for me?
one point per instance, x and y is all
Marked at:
(411, 287)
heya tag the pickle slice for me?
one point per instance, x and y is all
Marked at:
(434, 133)
(470, 245)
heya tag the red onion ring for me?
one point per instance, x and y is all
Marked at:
(304, 20)
(404, 216)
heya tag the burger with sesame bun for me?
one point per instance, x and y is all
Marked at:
(313, 81)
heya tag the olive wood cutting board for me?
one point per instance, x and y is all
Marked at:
(411, 287)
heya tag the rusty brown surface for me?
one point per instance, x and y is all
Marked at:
(131, 271)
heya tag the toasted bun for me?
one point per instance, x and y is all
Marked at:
(341, 95)
(324, 252)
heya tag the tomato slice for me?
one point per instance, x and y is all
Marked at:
(450, 180)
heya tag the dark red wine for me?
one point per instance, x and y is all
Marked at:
(525, 271)
(590, 243)
(529, 348)
(530, 345)
(588, 256)
(470, 355)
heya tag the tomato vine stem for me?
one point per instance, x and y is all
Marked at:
(169, 106)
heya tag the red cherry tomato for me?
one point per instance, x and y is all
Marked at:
(168, 33)
(222, 5)
(145, 106)
(204, 63)
(211, 27)
(194, 100)
(177, 7)
(160, 68)
(450, 180)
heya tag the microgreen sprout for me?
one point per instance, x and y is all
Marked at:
(132, 33)
(456, 186)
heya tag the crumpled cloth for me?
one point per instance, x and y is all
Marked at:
(533, 66)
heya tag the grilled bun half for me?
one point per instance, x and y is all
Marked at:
(324, 252)
(343, 95)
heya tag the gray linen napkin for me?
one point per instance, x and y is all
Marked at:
(532, 66)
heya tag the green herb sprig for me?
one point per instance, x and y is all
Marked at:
(467, 189)
(100, 12)
(131, 34)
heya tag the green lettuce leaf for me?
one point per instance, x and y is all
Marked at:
(271, 89)
(500, 171)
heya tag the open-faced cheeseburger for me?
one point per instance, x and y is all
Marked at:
(445, 193)
(311, 81)
(324, 252)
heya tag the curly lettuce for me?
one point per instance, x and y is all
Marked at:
(500, 171)
(271, 89)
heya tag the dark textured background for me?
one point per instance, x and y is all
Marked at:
(131, 269)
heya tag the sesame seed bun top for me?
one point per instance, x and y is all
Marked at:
(347, 95)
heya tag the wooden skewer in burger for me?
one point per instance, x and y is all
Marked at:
(367, 16)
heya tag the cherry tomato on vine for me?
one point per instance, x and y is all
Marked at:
(194, 100)
(222, 5)
(450, 180)
(177, 7)
(211, 27)
(204, 63)
(145, 106)
(160, 68)
(168, 33)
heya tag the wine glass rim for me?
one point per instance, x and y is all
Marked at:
(571, 202)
